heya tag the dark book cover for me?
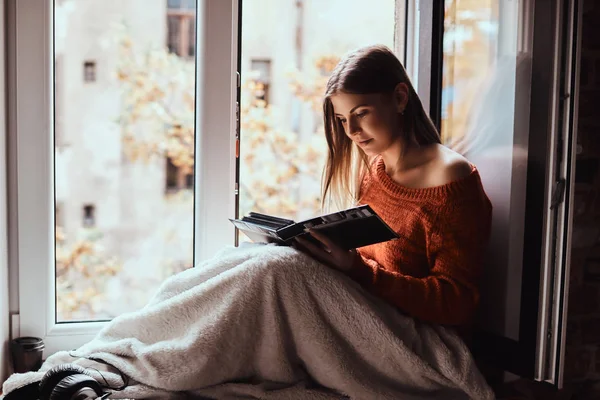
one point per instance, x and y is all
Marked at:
(351, 228)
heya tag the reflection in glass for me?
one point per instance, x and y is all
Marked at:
(485, 116)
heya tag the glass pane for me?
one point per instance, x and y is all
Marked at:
(174, 3)
(124, 156)
(289, 48)
(485, 116)
(182, 4)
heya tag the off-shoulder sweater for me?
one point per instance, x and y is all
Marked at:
(431, 272)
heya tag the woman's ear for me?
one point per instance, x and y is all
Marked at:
(401, 96)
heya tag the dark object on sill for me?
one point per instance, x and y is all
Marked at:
(62, 382)
(26, 353)
(30, 391)
(69, 382)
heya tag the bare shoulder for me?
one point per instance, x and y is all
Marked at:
(458, 168)
(451, 166)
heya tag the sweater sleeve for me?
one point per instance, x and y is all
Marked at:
(449, 294)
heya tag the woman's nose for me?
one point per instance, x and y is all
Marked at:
(353, 126)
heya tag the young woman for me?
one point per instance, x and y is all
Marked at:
(272, 322)
(382, 141)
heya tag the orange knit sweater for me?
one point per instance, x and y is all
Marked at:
(431, 272)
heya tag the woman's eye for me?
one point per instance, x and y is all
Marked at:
(362, 114)
(342, 120)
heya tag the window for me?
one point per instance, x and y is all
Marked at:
(181, 27)
(486, 111)
(285, 67)
(203, 142)
(171, 176)
(189, 181)
(89, 71)
(89, 216)
(145, 111)
(145, 124)
(177, 177)
(262, 69)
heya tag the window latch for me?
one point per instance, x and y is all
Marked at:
(558, 194)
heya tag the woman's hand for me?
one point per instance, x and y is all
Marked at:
(330, 254)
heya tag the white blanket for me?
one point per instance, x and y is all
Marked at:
(264, 321)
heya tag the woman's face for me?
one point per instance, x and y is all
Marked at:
(369, 120)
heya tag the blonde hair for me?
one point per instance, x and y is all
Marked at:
(367, 70)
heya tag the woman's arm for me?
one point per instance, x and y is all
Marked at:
(449, 294)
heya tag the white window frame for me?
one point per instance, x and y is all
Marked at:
(4, 277)
(32, 103)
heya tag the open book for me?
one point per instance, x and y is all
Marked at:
(351, 228)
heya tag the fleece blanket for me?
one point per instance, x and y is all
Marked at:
(269, 322)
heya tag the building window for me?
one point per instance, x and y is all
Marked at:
(89, 216)
(263, 70)
(89, 71)
(189, 181)
(181, 27)
(177, 178)
(171, 177)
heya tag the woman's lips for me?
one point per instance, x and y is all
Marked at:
(364, 142)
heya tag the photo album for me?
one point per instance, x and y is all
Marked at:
(351, 228)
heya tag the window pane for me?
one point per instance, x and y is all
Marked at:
(485, 116)
(181, 4)
(174, 3)
(124, 196)
(289, 48)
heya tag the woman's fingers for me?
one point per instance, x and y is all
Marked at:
(331, 254)
(314, 250)
(331, 245)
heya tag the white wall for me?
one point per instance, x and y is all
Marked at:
(4, 318)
